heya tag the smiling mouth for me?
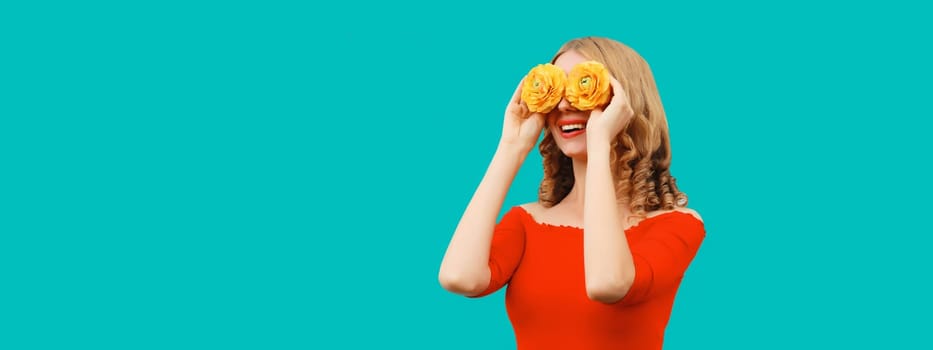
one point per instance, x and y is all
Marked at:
(572, 129)
(568, 128)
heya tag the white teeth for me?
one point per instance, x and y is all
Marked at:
(571, 127)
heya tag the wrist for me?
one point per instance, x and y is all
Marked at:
(597, 145)
(513, 148)
(510, 154)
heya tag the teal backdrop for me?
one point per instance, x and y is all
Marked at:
(286, 175)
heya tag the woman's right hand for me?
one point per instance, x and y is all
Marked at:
(521, 127)
(465, 268)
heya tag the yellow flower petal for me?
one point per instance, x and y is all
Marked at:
(543, 87)
(588, 86)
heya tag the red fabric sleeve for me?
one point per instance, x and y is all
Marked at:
(508, 244)
(663, 254)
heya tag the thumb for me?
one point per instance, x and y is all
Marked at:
(596, 112)
(536, 120)
(533, 124)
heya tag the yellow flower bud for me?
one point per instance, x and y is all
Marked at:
(588, 86)
(543, 87)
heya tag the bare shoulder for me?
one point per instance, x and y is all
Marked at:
(533, 208)
(682, 210)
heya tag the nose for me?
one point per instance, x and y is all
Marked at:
(565, 106)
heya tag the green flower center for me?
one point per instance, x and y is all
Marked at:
(585, 82)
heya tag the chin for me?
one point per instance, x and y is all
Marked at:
(577, 153)
(574, 148)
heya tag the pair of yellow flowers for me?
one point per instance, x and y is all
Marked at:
(586, 87)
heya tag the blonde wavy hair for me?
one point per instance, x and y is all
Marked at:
(640, 155)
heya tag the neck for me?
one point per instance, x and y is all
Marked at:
(575, 197)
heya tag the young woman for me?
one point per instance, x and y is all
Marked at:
(597, 260)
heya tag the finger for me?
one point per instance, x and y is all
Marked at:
(617, 91)
(517, 95)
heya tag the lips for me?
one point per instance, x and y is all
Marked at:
(571, 127)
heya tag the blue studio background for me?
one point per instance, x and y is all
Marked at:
(275, 175)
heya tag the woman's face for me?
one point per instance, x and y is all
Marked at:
(566, 124)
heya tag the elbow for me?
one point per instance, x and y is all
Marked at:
(459, 283)
(609, 291)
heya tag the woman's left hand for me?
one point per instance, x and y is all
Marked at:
(606, 123)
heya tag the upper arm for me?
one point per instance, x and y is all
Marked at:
(505, 252)
(662, 255)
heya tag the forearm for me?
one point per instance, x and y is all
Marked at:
(465, 269)
(609, 268)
